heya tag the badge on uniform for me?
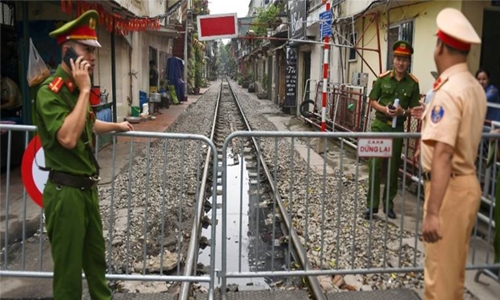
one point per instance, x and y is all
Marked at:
(437, 113)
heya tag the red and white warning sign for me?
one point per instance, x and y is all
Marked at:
(213, 27)
(34, 179)
(372, 147)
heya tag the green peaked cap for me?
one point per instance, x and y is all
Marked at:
(82, 29)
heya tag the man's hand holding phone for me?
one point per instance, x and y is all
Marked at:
(79, 69)
(390, 110)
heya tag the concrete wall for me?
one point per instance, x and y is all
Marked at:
(136, 62)
(145, 8)
(351, 7)
(137, 7)
(126, 85)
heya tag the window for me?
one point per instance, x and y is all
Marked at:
(402, 31)
(353, 38)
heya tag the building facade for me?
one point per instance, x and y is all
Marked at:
(122, 70)
(363, 32)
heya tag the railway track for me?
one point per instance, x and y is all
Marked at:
(229, 117)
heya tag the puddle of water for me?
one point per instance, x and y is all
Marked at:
(251, 250)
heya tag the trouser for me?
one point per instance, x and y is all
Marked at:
(496, 241)
(445, 260)
(74, 228)
(377, 164)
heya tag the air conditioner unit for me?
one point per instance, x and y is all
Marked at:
(359, 79)
(355, 78)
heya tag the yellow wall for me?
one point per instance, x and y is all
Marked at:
(474, 11)
(424, 17)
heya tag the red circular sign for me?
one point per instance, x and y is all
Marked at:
(34, 179)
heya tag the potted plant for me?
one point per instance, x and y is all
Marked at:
(247, 80)
(251, 83)
(198, 79)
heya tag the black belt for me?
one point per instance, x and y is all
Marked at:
(79, 182)
(427, 175)
(388, 121)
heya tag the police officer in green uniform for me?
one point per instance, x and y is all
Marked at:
(65, 123)
(391, 85)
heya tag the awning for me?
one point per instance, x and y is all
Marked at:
(164, 32)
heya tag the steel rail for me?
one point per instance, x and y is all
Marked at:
(196, 229)
(302, 256)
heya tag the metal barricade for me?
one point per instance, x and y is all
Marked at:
(488, 167)
(309, 220)
(347, 108)
(149, 199)
(306, 221)
(318, 102)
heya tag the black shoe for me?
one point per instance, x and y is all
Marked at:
(368, 212)
(391, 214)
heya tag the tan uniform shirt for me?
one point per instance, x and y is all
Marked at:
(455, 116)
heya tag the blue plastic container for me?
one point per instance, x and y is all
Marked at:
(143, 98)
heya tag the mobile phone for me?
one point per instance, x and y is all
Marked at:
(70, 53)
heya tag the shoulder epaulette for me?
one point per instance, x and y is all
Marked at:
(439, 83)
(413, 77)
(56, 84)
(384, 74)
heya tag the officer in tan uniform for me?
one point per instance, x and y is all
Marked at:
(452, 128)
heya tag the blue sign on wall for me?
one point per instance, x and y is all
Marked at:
(326, 20)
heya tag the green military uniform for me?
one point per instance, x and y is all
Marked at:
(72, 214)
(386, 89)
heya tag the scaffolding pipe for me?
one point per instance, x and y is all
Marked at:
(188, 9)
(378, 42)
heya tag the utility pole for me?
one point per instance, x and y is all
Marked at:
(325, 75)
(186, 31)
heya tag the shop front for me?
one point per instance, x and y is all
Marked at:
(26, 22)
